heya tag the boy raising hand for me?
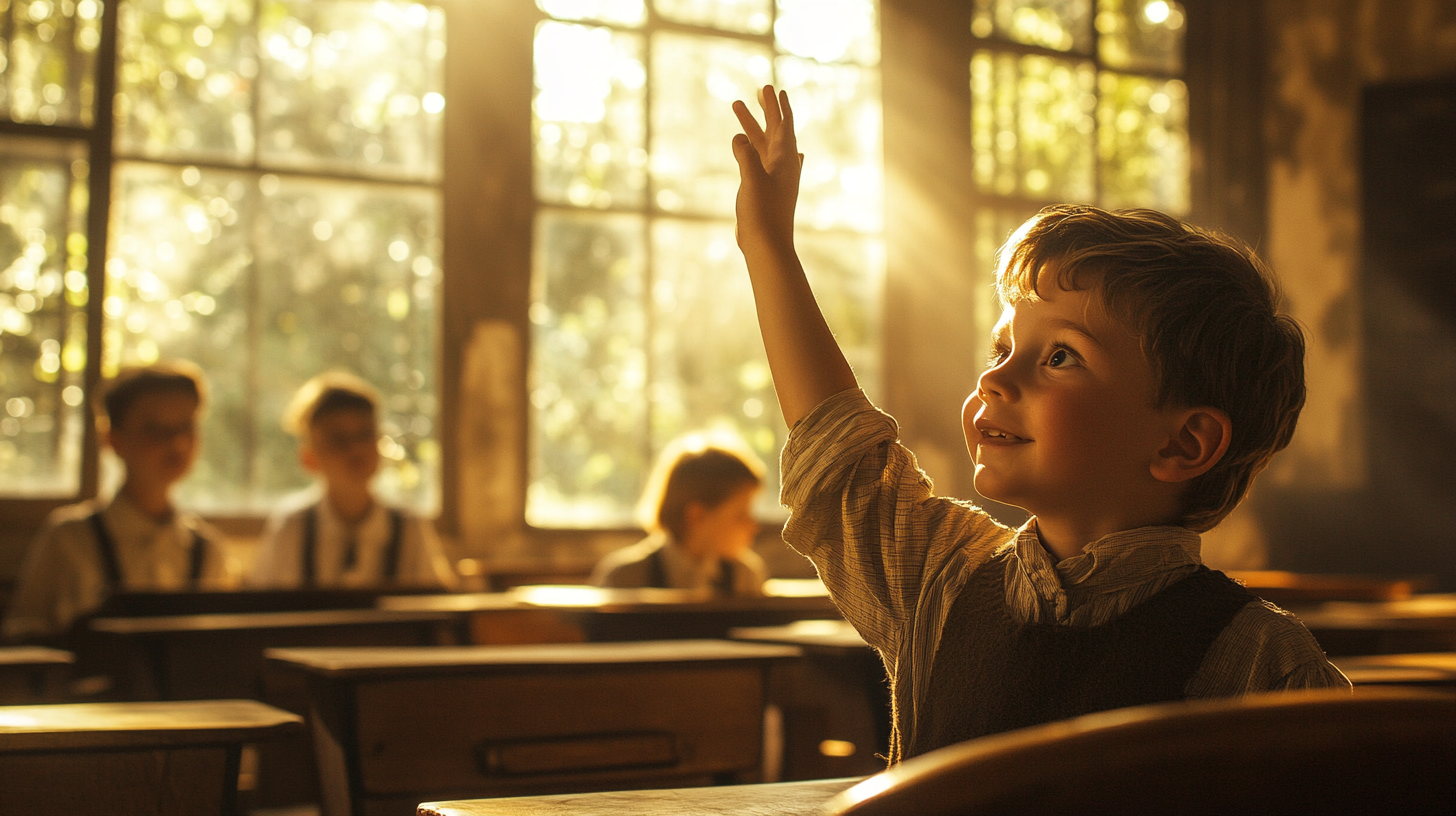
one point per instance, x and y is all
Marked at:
(1140, 377)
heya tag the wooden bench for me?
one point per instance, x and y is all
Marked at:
(1421, 623)
(569, 614)
(781, 799)
(835, 701)
(155, 758)
(1429, 669)
(33, 674)
(1388, 751)
(394, 727)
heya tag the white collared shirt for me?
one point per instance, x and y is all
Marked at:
(65, 575)
(279, 560)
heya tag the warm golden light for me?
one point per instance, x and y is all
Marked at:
(836, 748)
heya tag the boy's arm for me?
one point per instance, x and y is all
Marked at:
(805, 359)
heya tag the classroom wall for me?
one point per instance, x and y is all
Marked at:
(1341, 498)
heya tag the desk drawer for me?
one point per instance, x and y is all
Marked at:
(532, 729)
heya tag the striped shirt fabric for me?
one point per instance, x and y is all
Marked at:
(895, 556)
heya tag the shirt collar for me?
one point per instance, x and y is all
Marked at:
(1113, 562)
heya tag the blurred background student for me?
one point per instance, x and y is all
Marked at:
(341, 535)
(137, 541)
(698, 511)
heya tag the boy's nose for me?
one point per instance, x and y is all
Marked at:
(995, 380)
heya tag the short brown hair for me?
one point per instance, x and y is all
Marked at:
(134, 382)
(328, 393)
(1206, 311)
(695, 468)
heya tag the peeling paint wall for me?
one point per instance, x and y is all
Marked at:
(1318, 506)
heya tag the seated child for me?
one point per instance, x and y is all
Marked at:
(1140, 377)
(344, 537)
(138, 540)
(698, 509)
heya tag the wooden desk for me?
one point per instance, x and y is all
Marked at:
(190, 657)
(33, 674)
(1294, 588)
(783, 799)
(1421, 623)
(1436, 669)
(185, 657)
(394, 727)
(154, 758)
(153, 604)
(567, 614)
(835, 701)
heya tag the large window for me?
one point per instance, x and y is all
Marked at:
(274, 212)
(642, 319)
(1075, 101)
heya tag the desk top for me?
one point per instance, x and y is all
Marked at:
(397, 661)
(780, 799)
(828, 635)
(1432, 668)
(1420, 612)
(140, 725)
(262, 620)
(796, 595)
(34, 656)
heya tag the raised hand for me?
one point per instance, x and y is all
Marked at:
(769, 162)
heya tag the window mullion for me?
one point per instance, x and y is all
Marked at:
(98, 224)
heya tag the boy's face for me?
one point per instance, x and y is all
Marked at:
(1063, 422)
(343, 447)
(157, 438)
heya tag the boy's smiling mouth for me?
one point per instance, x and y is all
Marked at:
(992, 435)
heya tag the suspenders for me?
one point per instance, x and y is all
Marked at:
(111, 559)
(310, 546)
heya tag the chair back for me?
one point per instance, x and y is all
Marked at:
(1387, 751)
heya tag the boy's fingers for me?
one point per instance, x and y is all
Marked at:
(771, 114)
(749, 164)
(750, 125)
(788, 112)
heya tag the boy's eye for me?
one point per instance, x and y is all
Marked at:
(995, 356)
(1059, 358)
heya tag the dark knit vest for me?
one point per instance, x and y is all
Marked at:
(993, 674)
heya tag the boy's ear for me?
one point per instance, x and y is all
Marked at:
(1199, 439)
(308, 458)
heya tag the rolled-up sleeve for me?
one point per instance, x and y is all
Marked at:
(864, 513)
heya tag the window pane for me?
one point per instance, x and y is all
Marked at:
(589, 116)
(588, 369)
(185, 74)
(837, 115)
(993, 226)
(1032, 125)
(1141, 35)
(43, 297)
(709, 371)
(348, 279)
(1143, 142)
(748, 16)
(829, 30)
(48, 65)
(848, 274)
(178, 286)
(694, 83)
(350, 86)
(1065, 25)
(622, 12)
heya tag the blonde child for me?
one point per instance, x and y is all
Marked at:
(345, 537)
(137, 541)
